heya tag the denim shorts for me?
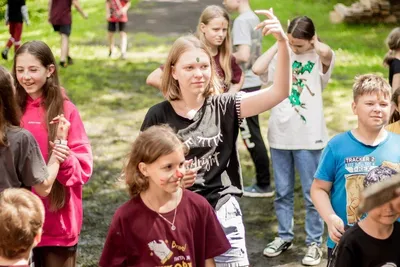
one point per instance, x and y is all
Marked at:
(230, 218)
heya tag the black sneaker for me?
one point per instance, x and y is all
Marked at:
(256, 191)
(63, 64)
(4, 54)
(276, 247)
(70, 60)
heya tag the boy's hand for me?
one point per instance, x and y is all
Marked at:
(271, 25)
(335, 227)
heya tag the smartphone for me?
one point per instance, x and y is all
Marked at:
(378, 194)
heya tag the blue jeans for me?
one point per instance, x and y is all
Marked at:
(284, 163)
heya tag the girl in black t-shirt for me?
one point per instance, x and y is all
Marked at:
(208, 124)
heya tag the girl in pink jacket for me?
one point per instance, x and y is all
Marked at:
(41, 98)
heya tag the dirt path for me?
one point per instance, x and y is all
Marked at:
(166, 19)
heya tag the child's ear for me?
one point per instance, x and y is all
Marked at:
(143, 168)
(202, 26)
(50, 70)
(173, 70)
(353, 107)
(37, 238)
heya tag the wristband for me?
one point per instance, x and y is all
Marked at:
(61, 142)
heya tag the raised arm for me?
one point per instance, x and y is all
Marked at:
(154, 78)
(262, 63)
(259, 101)
(324, 52)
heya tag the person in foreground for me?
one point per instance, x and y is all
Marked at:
(162, 224)
(350, 156)
(374, 241)
(208, 123)
(22, 218)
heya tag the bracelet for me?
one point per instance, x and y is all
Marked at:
(61, 142)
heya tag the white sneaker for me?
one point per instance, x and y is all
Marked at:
(276, 247)
(313, 255)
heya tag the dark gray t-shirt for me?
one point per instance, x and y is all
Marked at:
(21, 162)
(211, 136)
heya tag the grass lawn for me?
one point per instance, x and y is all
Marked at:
(112, 95)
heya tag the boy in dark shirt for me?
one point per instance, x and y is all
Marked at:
(374, 241)
(22, 217)
(16, 13)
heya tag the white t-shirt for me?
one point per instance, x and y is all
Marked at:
(298, 121)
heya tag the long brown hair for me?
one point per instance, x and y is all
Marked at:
(225, 49)
(393, 43)
(154, 142)
(170, 86)
(52, 102)
(10, 113)
(395, 99)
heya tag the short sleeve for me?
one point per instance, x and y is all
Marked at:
(326, 76)
(149, 120)
(32, 168)
(326, 166)
(395, 66)
(113, 253)
(216, 241)
(241, 32)
(236, 71)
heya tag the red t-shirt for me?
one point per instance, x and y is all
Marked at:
(60, 13)
(115, 6)
(236, 71)
(138, 236)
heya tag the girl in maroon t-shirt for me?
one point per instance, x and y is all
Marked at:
(214, 30)
(163, 224)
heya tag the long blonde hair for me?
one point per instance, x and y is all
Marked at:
(154, 142)
(170, 86)
(393, 43)
(225, 49)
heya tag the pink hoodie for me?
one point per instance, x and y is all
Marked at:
(62, 228)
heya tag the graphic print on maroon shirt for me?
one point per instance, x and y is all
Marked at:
(138, 236)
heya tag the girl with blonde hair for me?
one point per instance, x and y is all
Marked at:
(208, 123)
(213, 30)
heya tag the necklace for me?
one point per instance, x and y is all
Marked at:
(173, 227)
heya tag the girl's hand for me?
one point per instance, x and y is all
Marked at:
(60, 151)
(271, 25)
(62, 127)
(335, 227)
(190, 175)
(315, 42)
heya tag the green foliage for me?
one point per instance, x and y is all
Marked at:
(112, 96)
